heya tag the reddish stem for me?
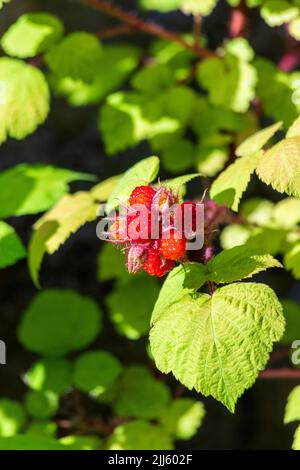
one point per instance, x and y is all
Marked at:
(238, 20)
(280, 374)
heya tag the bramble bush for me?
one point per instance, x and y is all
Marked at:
(225, 119)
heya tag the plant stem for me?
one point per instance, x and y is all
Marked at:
(115, 31)
(148, 27)
(280, 374)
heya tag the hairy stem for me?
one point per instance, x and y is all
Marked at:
(148, 27)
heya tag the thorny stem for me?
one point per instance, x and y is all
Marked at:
(148, 27)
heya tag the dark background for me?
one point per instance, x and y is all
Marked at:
(69, 138)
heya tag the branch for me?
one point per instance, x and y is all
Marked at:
(293, 374)
(115, 31)
(148, 27)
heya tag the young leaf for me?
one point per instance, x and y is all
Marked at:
(256, 142)
(55, 227)
(181, 281)
(96, 371)
(140, 395)
(238, 263)
(32, 188)
(218, 344)
(12, 417)
(164, 7)
(286, 213)
(11, 246)
(292, 411)
(198, 7)
(139, 435)
(278, 12)
(24, 98)
(103, 190)
(32, 34)
(230, 185)
(76, 56)
(280, 166)
(58, 322)
(292, 260)
(183, 418)
(142, 173)
(133, 322)
(52, 374)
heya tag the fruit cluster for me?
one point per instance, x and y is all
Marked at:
(147, 208)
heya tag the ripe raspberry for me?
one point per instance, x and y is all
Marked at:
(139, 227)
(142, 195)
(155, 265)
(174, 247)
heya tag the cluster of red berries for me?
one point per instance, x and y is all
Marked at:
(134, 230)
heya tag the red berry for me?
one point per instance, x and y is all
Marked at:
(139, 227)
(174, 247)
(142, 195)
(155, 265)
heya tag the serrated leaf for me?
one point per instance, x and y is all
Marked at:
(139, 435)
(183, 418)
(96, 371)
(133, 322)
(292, 260)
(142, 173)
(12, 417)
(76, 56)
(24, 99)
(181, 281)
(41, 404)
(280, 166)
(211, 160)
(11, 246)
(140, 395)
(176, 183)
(32, 188)
(49, 374)
(291, 311)
(57, 322)
(257, 141)
(230, 185)
(286, 213)
(103, 190)
(32, 34)
(198, 7)
(218, 344)
(56, 226)
(294, 130)
(278, 12)
(292, 410)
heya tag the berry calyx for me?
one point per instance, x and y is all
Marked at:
(185, 219)
(155, 265)
(174, 247)
(142, 195)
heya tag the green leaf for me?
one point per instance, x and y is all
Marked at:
(218, 344)
(230, 185)
(294, 30)
(103, 190)
(57, 322)
(294, 130)
(179, 103)
(32, 188)
(95, 372)
(198, 7)
(291, 311)
(164, 7)
(179, 156)
(24, 98)
(32, 34)
(280, 166)
(183, 418)
(29, 442)
(11, 247)
(292, 260)
(41, 404)
(49, 374)
(81, 442)
(111, 264)
(177, 183)
(2, 2)
(139, 435)
(153, 79)
(211, 160)
(142, 173)
(278, 12)
(256, 142)
(140, 395)
(181, 281)
(257, 211)
(286, 213)
(133, 322)
(12, 417)
(56, 226)
(113, 67)
(76, 56)
(296, 442)
(42, 428)
(292, 411)
(238, 263)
